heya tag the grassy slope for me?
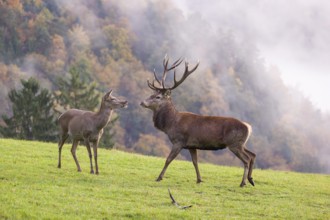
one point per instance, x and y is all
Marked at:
(32, 187)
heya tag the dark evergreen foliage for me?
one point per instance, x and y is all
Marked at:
(79, 91)
(33, 117)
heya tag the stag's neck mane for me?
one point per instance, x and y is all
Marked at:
(165, 116)
(102, 117)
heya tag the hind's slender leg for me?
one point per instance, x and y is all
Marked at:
(89, 154)
(73, 151)
(63, 138)
(95, 144)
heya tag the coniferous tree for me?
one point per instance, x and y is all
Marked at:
(108, 137)
(77, 92)
(32, 118)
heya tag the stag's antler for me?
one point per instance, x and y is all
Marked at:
(186, 73)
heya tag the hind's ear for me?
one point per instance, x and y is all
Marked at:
(108, 94)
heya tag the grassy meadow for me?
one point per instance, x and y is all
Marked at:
(32, 187)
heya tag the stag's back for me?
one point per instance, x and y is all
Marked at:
(211, 131)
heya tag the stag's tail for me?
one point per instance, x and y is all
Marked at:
(249, 127)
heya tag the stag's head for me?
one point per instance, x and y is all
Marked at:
(112, 102)
(162, 93)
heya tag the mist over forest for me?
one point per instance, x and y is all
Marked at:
(118, 44)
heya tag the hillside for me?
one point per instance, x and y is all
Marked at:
(112, 44)
(32, 187)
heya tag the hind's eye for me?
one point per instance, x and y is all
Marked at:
(158, 97)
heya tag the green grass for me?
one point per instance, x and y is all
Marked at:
(32, 187)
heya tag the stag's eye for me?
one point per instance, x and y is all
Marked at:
(158, 97)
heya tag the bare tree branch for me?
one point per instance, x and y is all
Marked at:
(177, 204)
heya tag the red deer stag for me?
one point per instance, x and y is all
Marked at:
(87, 126)
(196, 132)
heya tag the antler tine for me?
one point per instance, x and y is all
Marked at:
(176, 64)
(151, 86)
(165, 62)
(186, 73)
(155, 77)
(193, 69)
(166, 69)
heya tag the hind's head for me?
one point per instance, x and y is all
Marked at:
(113, 102)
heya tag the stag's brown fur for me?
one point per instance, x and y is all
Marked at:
(87, 126)
(191, 131)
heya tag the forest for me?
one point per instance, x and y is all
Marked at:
(65, 54)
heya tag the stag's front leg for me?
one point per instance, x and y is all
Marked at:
(174, 152)
(193, 153)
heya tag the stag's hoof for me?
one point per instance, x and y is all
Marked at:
(242, 184)
(159, 179)
(251, 181)
(92, 171)
(199, 181)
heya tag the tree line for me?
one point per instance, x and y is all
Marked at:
(35, 109)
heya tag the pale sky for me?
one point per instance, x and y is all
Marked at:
(292, 35)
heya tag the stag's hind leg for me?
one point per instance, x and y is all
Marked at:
(193, 153)
(253, 158)
(245, 158)
(63, 138)
(73, 151)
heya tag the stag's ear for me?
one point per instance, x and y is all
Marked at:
(167, 93)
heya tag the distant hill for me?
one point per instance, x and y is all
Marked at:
(118, 46)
